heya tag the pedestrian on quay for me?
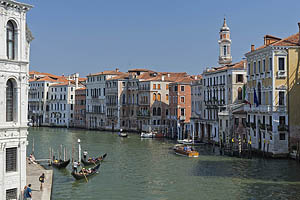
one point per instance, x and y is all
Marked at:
(42, 180)
(25, 192)
(28, 192)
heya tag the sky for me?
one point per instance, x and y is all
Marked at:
(162, 35)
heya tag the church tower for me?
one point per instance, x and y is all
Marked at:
(225, 45)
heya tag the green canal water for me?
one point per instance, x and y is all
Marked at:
(147, 169)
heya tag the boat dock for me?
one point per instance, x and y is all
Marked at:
(33, 172)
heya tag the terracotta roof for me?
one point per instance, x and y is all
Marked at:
(239, 65)
(292, 40)
(41, 73)
(62, 84)
(107, 72)
(121, 76)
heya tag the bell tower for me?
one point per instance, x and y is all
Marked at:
(225, 45)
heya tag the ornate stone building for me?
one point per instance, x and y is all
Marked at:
(15, 40)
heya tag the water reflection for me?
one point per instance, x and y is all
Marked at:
(138, 168)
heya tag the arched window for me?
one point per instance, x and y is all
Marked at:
(167, 112)
(154, 112)
(225, 50)
(10, 99)
(159, 111)
(10, 40)
(158, 97)
(240, 93)
(154, 97)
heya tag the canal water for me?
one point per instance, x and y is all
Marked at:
(147, 169)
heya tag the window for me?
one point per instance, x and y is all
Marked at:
(71, 106)
(240, 93)
(264, 65)
(10, 40)
(10, 99)
(11, 159)
(182, 99)
(281, 98)
(72, 96)
(225, 50)
(159, 111)
(182, 88)
(167, 86)
(175, 88)
(226, 123)
(259, 67)
(254, 68)
(167, 97)
(239, 78)
(282, 136)
(158, 86)
(182, 112)
(167, 112)
(220, 123)
(154, 111)
(270, 64)
(281, 64)
(154, 97)
(158, 97)
(270, 120)
(154, 86)
(11, 194)
(282, 120)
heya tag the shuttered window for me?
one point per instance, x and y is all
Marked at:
(11, 194)
(11, 159)
(9, 101)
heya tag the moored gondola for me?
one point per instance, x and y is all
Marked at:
(92, 161)
(60, 163)
(84, 173)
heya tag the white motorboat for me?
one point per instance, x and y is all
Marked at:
(185, 141)
(147, 135)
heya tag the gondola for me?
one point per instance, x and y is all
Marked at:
(93, 161)
(80, 175)
(60, 163)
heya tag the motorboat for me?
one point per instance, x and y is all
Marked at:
(185, 150)
(190, 142)
(147, 135)
(123, 134)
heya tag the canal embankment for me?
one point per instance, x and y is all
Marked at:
(33, 172)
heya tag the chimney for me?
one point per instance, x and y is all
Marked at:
(117, 69)
(163, 77)
(299, 32)
(76, 80)
(168, 75)
(252, 47)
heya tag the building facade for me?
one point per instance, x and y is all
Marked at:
(80, 108)
(14, 66)
(95, 98)
(273, 91)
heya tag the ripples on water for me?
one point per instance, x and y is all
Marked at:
(147, 169)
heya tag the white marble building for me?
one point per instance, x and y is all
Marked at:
(14, 64)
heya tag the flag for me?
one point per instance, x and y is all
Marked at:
(255, 99)
(245, 96)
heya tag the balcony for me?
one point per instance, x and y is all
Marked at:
(143, 114)
(283, 127)
(253, 125)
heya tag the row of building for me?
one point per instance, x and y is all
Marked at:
(253, 100)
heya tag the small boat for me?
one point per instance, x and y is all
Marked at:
(123, 134)
(185, 141)
(159, 135)
(185, 150)
(92, 161)
(84, 173)
(147, 135)
(60, 163)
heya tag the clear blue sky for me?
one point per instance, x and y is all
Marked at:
(163, 35)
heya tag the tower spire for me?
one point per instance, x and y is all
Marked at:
(225, 44)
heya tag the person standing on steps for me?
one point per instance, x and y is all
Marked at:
(85, 153)
(42, 180)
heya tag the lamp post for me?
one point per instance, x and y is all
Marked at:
(79, 151)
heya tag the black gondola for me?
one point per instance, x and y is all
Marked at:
(93, 161)
(81, 175)
(60, 163)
